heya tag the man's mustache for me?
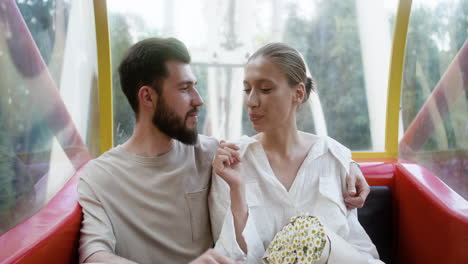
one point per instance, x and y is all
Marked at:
(193, 111)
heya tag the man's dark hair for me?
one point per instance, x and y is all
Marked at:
(145, 64)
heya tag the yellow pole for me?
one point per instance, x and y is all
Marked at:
(105, 76)
(395, 77)
(394, 87)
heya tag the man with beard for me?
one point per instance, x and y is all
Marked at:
(146, 201)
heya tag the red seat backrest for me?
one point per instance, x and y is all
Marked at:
(49, 236)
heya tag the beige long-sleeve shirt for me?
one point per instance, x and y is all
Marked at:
(149, 210)
(317, 190)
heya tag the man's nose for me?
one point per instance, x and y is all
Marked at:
(196, 98)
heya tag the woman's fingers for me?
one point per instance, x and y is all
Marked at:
(231, 148)
(222, 167)
(223, 152)
(232, 154)
(229, 145)
(221, 161)
(225, 161)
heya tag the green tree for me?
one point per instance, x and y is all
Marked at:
(39, 16)
(122, 36)
(435, 35)
(22, 130)
(121, 40)
(331, 47)
(122, 27)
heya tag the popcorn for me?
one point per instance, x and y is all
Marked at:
(302, 240)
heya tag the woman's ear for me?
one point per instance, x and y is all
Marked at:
(147, 97)
(299, 93)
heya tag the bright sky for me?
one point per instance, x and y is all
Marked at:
(190, 24)
(146, 8)
(189, 16)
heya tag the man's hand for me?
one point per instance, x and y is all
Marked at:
(357, 187)
(213, 257)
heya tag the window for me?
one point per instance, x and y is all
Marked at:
(346, 45)
(434, 98)
(48, 77)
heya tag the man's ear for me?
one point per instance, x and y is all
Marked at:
(299, 93)
(147, 97)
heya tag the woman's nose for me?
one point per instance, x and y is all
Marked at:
(252, 99)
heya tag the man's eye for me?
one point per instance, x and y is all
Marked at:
(266, 90)
(247, 90)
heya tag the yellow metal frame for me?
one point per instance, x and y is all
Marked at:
(394, 85)
(369, 155)
(395, 77)
(105, 76)
(394, 82)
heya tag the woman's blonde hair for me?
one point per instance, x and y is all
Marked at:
(289, 61)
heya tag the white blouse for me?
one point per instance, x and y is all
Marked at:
(317, 190)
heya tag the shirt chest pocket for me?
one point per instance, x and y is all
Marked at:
(199, 215)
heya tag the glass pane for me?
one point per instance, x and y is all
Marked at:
(48, 77)
(434, 98)
(346, 45)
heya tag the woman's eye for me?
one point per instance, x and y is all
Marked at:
(266, 90)
(247, 90)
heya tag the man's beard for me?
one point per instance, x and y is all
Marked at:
(167, 121)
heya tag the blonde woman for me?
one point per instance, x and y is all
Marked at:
(281, 172)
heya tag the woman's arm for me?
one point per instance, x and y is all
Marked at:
(240, 213)
(356, 243)
(226, 165)
(357, 237)
(233, 226)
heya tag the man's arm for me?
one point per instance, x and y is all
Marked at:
(213, 257)
(357, 187)
(96, 233)
(107, 257)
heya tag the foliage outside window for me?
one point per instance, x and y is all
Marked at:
(329, 34)
(437, 32)
(47, 57)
